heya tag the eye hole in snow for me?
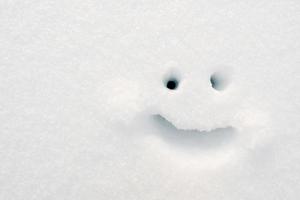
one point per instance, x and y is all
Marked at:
(172, 84)
(219, 81)
(172, 79)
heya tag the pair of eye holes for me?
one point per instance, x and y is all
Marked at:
(217, 81)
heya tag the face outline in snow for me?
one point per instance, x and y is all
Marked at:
(191, 116)
(206, 115)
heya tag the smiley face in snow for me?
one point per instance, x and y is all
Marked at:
(206, 112)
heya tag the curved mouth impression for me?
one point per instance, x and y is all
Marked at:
(193, 138)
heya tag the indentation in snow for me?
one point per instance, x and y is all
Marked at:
(193, 138)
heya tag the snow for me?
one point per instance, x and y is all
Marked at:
(85, 112)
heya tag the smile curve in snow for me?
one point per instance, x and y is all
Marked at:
(193, 138)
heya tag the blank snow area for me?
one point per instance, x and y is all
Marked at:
(149, 99)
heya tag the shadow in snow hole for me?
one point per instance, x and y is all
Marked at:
(192, 139)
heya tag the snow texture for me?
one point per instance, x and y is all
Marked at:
(85, 112)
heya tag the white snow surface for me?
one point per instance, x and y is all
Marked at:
(85, 113)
